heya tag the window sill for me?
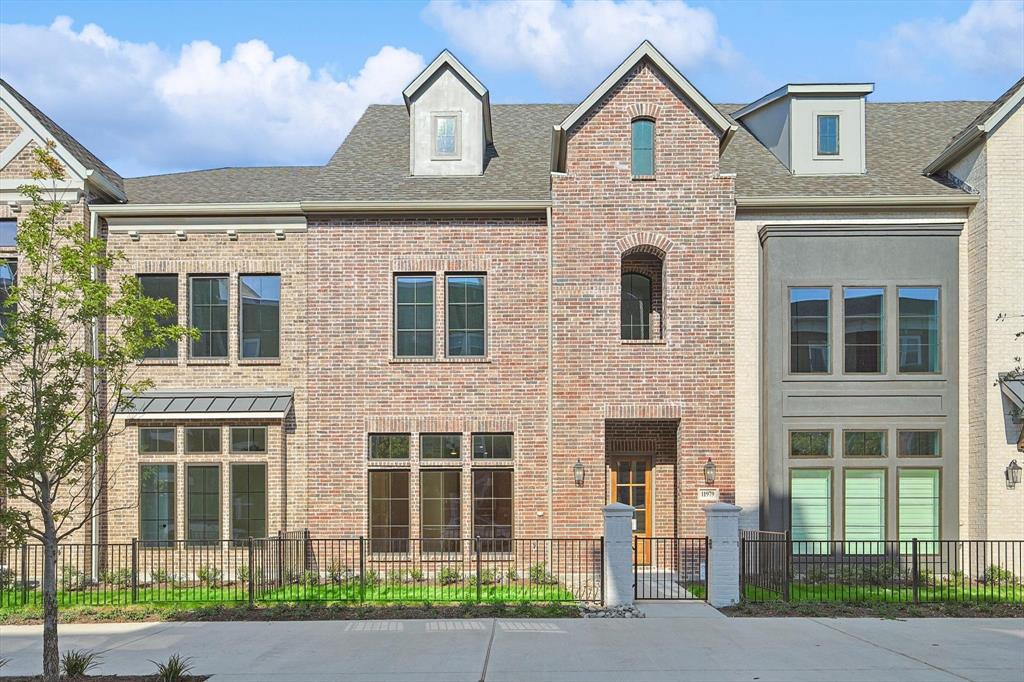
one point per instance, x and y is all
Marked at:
(258, 361)
(158, 362)
(429, 462)
(214, 362)
(493, 463)
(644, 178)
(388, 463)
(480, 360)
(642, 342)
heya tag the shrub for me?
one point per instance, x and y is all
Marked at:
(310, 578)
(71, 578)
(489, 576)
(817, 574)
(416, 575)
(338, 574)
(539, 574)
(996, 574)
(6, 578)
(121, 577)
(209, 576)
(175, 669)
(77, 662)
(449, 576)
(371, 578)
(243, 573)
(512, 575)
(885, 573)
(396, 576)
(160, 576)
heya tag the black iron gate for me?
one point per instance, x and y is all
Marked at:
(670, 568)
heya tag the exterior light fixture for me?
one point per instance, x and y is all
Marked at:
(1012, 474)
(709, 472)
(579, 473)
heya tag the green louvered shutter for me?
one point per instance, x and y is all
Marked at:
(810, 506)
(643, 147)
(864, 511)
(919, 509)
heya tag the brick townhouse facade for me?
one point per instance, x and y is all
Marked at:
(490, 320)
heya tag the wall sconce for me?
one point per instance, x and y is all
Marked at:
(579, 473)
(709, 472)
(1012, 474)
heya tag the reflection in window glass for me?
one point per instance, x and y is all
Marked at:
(918, 443)
(643, 147)
(8, 232)
(202, 439)
(414, 316)
(389, 446)
(919, 329)
(492, 446)
(809, 334)
(210, 316)
(260, 296)
(635, 307)
(828, 134)
(445, 136)
(466, 315)
(863, 329)
(810, 443)
(864, 443)
(440, 446)
(8, 273)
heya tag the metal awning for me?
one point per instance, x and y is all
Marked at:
(1013, 388)
(209, 404)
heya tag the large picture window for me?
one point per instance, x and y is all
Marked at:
(260, 315)
(635, 306)
(919, 509)
(440, 510)
(810, 510)
(248, 501)
(863, 330)
(203, 504)
(389, 511)
(156, 504)
(643, 147)
(466, 315)
(209, 315)
(414, 316)
(919, 329)
(162, 287)
(864, 511)
(809, 330)
(492, 509)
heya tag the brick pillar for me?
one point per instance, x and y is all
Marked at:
(618, 554)
(723, 524)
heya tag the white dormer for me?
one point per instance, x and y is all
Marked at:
(449, 120)
(813, 129)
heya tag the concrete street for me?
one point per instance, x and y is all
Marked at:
(675, 642)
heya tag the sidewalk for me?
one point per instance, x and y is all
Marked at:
(675, 642)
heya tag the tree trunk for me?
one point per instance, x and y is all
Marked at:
(51, 654)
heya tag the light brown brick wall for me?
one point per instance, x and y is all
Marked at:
(689, 377)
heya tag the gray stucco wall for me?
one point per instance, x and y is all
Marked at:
(838, 256)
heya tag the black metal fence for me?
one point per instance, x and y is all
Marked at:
(296, 567)
(775, 567)
(670, 568)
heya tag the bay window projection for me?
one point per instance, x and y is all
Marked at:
(919, 329)
(810, 505)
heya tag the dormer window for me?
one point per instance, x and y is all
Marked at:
(643, 148)
(828, 134)
(446, 136)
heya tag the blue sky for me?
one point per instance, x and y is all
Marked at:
(157, 87)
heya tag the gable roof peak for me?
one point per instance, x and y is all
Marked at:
(448, 60)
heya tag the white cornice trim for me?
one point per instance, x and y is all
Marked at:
(255, 208)
(15, 147)
(910, 201)
(808, 89)
(172, 224)
(861, 229)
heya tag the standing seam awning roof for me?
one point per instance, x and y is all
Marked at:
(209, 404)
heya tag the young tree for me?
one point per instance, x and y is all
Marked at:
(69, 346)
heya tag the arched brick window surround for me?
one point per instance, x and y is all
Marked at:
(645, 253)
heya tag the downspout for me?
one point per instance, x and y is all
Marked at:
(94, 485)
(550, 396)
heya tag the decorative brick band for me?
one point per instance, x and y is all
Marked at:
(440, 424)
(644, 242)
(207, 266)
(643, 411)
(643, 110)
(439, 264)
(638, 445)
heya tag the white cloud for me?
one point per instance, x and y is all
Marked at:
(566, 44)
(987, 40)
(142, 109)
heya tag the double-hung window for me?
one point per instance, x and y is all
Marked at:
(828, 134)
(414, 315)
(809, 330)
(209, 315)
(260, 316)
(466, 315)
(643, 147)
(446, 136)
(162, 287)
(919, 329)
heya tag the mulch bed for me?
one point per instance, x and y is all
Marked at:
(873, 610)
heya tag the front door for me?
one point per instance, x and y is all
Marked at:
(631, 484)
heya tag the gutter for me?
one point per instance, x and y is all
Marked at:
(298, 208)
(551, 372)
(784, 202)
(955, 150)
(95, 349)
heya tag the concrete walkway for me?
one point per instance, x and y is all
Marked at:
(675, 642)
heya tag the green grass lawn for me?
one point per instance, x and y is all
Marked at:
(803, 592)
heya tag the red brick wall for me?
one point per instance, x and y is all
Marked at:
(688, 377)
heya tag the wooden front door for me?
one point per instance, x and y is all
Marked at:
(631, 484)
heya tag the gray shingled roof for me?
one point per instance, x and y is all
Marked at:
(199, 403)
(64, 138)
(988, 111)
(902, 138)
(372, 164)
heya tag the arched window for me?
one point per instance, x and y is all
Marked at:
(636, 306)
(643, 147)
